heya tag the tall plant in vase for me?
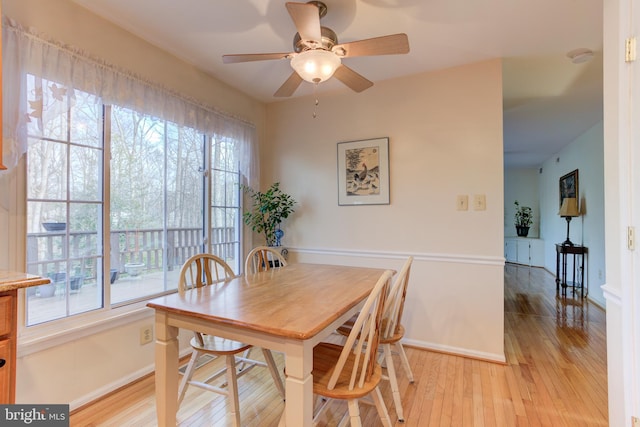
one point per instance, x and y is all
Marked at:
(268, 210)
(523, 219)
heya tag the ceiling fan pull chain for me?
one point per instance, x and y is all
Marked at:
(315, 95)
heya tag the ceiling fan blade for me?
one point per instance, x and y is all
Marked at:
(384, 45)
(289, 86)
(352, 79)
(248, 57)
(306, 18)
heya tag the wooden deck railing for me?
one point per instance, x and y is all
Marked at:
(46, 252)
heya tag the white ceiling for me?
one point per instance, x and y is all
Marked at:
(548, 101)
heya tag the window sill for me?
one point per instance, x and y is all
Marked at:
(41, 337)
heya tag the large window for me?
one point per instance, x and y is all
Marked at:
(116, 201)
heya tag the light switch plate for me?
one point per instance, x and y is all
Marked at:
(462, 203)
(479, 202)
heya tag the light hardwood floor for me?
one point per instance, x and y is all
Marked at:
(555, 376)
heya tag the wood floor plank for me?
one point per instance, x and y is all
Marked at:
(555, 376)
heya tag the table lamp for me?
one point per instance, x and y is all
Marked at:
(568, 210)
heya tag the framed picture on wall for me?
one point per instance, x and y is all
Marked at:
(363, 172)
(569, 186)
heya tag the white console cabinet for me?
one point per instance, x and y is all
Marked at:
(523, 250)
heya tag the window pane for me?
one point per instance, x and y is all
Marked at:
(218, 188)
(185, 197)
(85, 173)
(231, 184)
(84, 230)
(87, 120)
(47, 170)
(137, 209)
(48, 108)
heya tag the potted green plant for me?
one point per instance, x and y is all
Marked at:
(268, 210)
(523, 219)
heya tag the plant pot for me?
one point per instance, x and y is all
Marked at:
(47, 291)
(134, 268)
(522, 231)
(54, 226)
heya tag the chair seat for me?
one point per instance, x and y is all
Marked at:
(218, 345)
(397, 336)
(345, 328)
(325, 358)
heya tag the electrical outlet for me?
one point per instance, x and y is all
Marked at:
(146, 334)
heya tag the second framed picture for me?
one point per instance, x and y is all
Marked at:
(363, 172)
(569, 186)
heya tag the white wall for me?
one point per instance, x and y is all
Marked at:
(94, 359)
(445, 131)
(586, 155)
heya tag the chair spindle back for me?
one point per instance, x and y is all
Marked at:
(263, 258)
(202, 270)
(366, 325)
(395, 301)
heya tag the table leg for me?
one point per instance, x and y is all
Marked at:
(575, 267)
(299, 385)
(557, 270)
(582, 280)
(564, 274)
(166, 371)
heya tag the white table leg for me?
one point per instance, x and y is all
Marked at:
(166, 371)
(299, 385)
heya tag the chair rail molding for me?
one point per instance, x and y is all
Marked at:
(432, 257)
(612, 295)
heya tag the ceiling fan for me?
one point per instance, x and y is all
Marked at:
(317, 54)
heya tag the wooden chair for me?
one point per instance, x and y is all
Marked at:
(204, 270)
(351, 371)
(262, 258)
(392, 332)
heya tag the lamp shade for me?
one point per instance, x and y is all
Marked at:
(569, 207)
(315, 65)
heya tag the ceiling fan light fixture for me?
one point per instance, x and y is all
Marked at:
(316, 65)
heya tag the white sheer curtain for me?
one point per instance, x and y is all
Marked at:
(24, 51)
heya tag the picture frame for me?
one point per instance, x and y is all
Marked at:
(363, 172)
(569, 186)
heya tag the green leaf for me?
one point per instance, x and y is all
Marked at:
(268, 210)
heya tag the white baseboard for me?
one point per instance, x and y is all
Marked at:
(121, 382)
(458, 351)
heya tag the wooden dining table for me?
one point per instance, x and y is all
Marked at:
(289, 310)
